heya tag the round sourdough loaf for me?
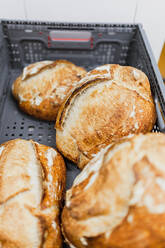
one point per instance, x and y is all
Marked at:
(118, 200)
(42, 87)
(32, 184)
(111, 102)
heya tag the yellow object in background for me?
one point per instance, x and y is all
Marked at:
(161, 62)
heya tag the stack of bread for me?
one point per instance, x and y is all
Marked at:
(103, 119)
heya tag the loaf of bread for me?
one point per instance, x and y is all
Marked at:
(32, 183)
(42, 87)
(111, 102)
(118, 200)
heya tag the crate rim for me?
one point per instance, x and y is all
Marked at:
(45, 22)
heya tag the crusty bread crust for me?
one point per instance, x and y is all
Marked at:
(118, 200)
(32, 184)
(42, 87)
(109, 103)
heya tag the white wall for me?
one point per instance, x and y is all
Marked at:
(151, 13)
(148, 12)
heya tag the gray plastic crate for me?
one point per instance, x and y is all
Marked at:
(85, 44)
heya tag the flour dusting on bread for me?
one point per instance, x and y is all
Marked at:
(161, 182)
(106, 68)
(1, 149)
(37, 100)
(84, 241)
(92, 76)
(61, 92)
(34, 68)
(50, 155)
(152, 206)
(136, 74)
(34, 172)
(130, 218)
(92, 167)
(137, 193)
(133, 113)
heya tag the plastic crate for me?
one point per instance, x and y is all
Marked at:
(85, 44)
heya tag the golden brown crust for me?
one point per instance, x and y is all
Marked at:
(118, 199)
(32, 184)
(42, 87)
(110, 102)
(53, 193)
